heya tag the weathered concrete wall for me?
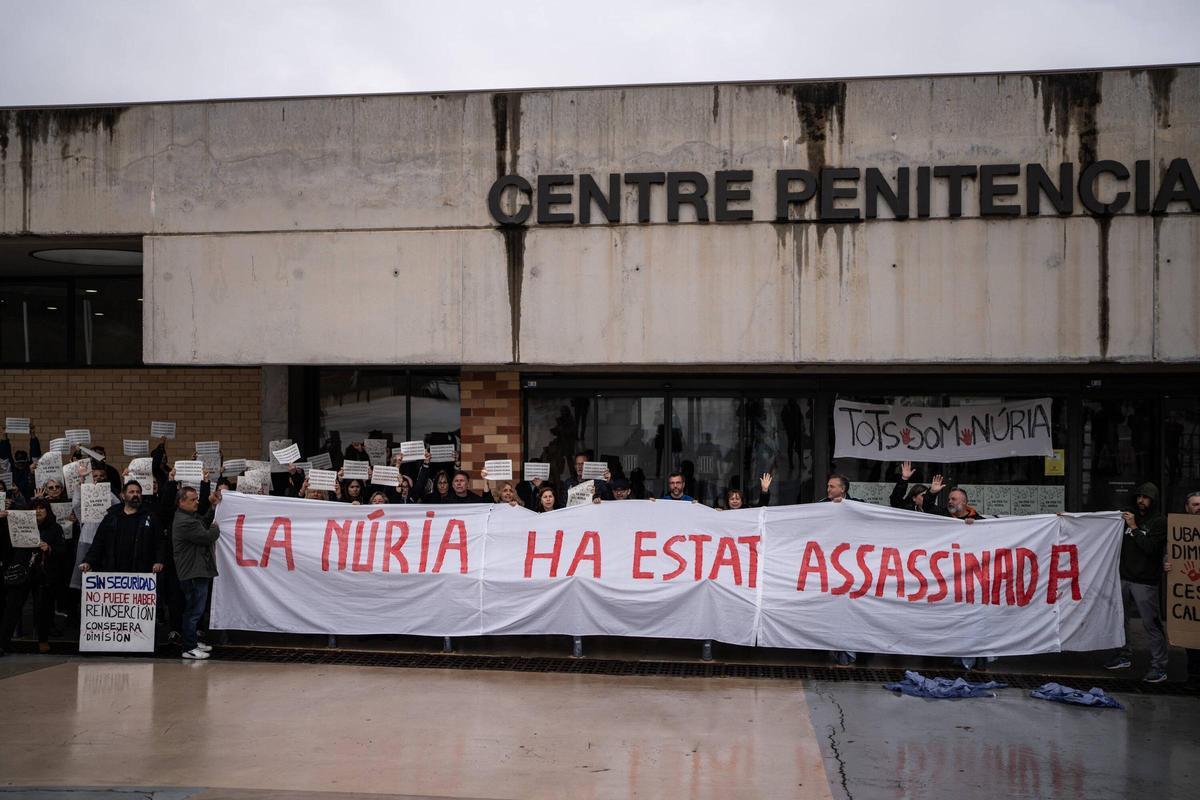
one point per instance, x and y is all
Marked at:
(274, 223)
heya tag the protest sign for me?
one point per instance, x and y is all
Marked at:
(60, 446)
(49, 468)
(593, 470)
(581, 494)
(412, 451)
(233, 466)
(1052, 499)
(1183, 580)
(320, 461)
(162, 430)
(356, 470)
(441, 453)
(62, 513)
(942, 434)
(323, 480)
(250, 484)
(499, 469)
(283, 452)
(95, 455)
(135, 447)
(189, 472)
(23, 529)
(377, 451)
(385, 476)
(209, 454)
(75, 473)
(142, 471)
(117, 612)
(815, 576)
(94, 501)
(536, 469)
(78, 436)
(16, 425)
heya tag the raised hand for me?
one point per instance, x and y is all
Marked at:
(907, 471)
(764, 482)
(937, 484)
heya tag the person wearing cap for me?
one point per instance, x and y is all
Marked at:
(1142, 550)
(621, 489)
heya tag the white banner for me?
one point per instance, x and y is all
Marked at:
(952, 433)
(821, 576)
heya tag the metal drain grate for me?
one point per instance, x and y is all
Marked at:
(674, 669)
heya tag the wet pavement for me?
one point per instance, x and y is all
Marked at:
(170, 730)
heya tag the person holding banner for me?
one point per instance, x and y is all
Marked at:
(460, 491)
(675, 484)
(129, 539)
(30, 571)
(1143, 548)
(22, 474)
(546, 500)
(192, 538)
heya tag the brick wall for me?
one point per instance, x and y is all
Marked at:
(115, 404)
(491, 420)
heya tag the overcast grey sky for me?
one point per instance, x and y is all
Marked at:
(112, 51)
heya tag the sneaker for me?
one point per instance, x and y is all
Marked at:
(204, 648)
(1155, 676)
(174, 638)
(196, 654)
(1118, 662)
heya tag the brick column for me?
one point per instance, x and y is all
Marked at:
(491, 420)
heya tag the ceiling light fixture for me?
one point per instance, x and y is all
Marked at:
(91, 257)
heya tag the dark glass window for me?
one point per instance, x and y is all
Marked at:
(397, 405)
(35, 320)
(71, 322)
(1119, 451)
(108, 321)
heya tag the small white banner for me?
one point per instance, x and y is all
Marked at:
(536, 469)
(385, 476)
(593, 470)
(117, 612)
(49, 468)
(94, 501)
(412, 451)
(321, 461)
(78, 436)
(16, 424)
(324, 480)
(135, 447)
(499, 469)
(356, 470)
(23, 529)
(942, 434)
(288, 454)
(160, 430)
(441, 453)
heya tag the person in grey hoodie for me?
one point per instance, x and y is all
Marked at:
(192, 539)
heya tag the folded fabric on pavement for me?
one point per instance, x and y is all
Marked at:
(1057, 693)
(917, 685)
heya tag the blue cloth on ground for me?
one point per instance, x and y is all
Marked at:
(917, 685)
(1057, 693)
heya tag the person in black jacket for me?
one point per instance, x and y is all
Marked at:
(130, 539)
(912, 496)
(21, 473)
(40, 562)
(1142, 549)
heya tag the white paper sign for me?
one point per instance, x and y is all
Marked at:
(321, 461)
(412, 451)
(536, 469)
(581, 494)
(49, 468)
(208, 448)
(135, 447)
(303, 466)
(322, 479)
(594, 469)
(16, 424)
(356, 470)
(62, 513)
(60, 446)
(252, 465)
(95, 455)
(94, 501)
(385, 476)
(249, 484)
(23, 529)
(117, 612)
(441, 453)
(142, 471)
(77, 436)
(942, 434)
(377, 450)
(287, 455)
(73, 477)
(159, 430)
(499, 469)
(1051, 498)
(997, 501)
(189, 471)
(1025, 500)
(233, 466)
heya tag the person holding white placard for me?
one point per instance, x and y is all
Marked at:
(352, 492)
(29, 571)
(546, 499)
(501, 491)
(129, 539)
(460, 491)
(20, 459)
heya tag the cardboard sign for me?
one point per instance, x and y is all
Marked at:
(16, 424)
(161, 430)
(385, 476)
(117, 612)
(1183, 580)
(94, 501)
(536, 469)
(135, 447)
(377, 451)
(499, 469)
(23, 529)
(356, 470)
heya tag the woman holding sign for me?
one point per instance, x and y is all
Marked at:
(32, 551)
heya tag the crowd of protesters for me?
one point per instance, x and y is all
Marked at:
(170, 531)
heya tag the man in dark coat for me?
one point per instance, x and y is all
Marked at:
(1142, 550)
(130, 539)
(192, 539)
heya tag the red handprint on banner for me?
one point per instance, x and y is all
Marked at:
(966, 436)
(906, 435)
(1189, 569)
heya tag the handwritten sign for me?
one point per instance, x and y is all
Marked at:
(356, 470)
(594, 470)
(385, 476)
(288, 454)
(94, 501)
(412, 451)
(49, 468)
(16, 424)
(441, 453)
(117, 612)
(1183, 580)
(537, 469)
(135, 447)
(162, 430)
(377, 450)
(499, 469)
(322, 479)
(23, 529)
